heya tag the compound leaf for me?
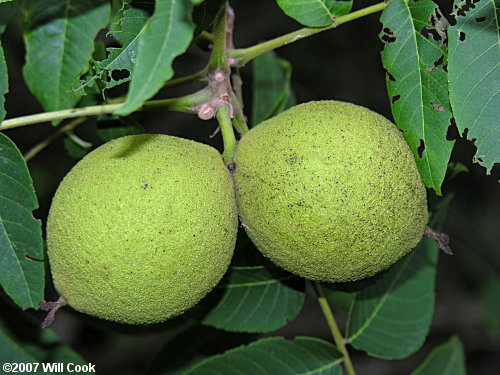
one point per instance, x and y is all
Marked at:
(59, 40)
(391, 317)
(271, 356)
(21, 250)
(474, 76)
(315, 13)
(256, 299)
(166, 35)
(414, 56)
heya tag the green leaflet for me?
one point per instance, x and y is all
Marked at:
(6, 12)
(271, 91)
(474, 76)
(166, 35)
(446, 359)
(4, 84)
(256, 299)
(391, 317)
(193, 345)
(21, 269)
(59, 40)
(271, 356)
(315, 13)
(417, 83)
(127, 31)
(24, 341)
(205, 14)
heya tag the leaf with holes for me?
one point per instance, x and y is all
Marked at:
(276, 355)
(21, 251)
(315, 13)
(271, 91)
(391, 317)
(256, 299)
(166, 35)
(446, 359)
(59, 40)
(474, 77)
(415, 58)
(117, 67)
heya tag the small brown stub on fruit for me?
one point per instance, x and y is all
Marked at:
(231, 167)
(441, 238)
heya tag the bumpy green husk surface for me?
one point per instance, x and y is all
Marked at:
(330, 191)
(142, 228)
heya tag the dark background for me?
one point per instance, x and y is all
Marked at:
(342, 64)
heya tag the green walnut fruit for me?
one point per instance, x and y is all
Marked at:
(330, 191)
(142, 228)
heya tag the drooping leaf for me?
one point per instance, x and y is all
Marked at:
(118, 66)
(166, 35)
(315, 13)
(446, 359)
(205, 14)
(474, 76)
(21, 250)
(271, 356)
(414, 56)
(391, 317)
(59, 40)
(256, 299)
(271, 91)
